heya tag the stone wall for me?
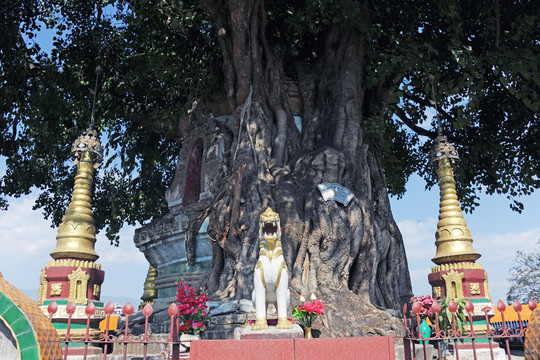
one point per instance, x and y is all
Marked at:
(223, 318)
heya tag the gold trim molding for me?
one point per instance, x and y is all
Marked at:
(42, 292)
(457, 266)
(74, 263)
(486, 287)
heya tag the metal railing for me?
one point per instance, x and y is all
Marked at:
(470, 337)
(171, 347)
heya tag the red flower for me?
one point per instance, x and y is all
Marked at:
(183, 329)
(191, 306)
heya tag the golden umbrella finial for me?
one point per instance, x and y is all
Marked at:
(453, 237)
(76, 234)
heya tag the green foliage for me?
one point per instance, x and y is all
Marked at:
(158, 56)
(150, 74)
(445, 316)
(525, 277)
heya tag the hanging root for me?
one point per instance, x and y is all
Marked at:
(229, 292)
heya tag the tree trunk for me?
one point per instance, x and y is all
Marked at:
(351, 257)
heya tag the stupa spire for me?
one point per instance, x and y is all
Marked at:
(453, 236)
(76, 234)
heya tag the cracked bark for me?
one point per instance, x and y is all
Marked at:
(352, 257)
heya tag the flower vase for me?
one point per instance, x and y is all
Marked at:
(425, 331)
(185, 341)
(307, 333)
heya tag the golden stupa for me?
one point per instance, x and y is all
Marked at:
(76, 234)
(453, 237)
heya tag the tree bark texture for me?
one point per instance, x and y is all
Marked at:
(351, 257)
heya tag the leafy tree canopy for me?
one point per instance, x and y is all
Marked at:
(525, 277)
(160, 56)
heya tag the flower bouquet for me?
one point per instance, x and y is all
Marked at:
(192, 307)
(426, 301)
(307, 313)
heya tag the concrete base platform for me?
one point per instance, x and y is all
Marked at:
(245, 333)
(481, 354)
(431, 352)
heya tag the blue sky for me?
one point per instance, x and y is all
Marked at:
(27, 240)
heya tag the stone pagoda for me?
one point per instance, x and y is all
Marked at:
(73, 275)
(457, 274)
(165, 241)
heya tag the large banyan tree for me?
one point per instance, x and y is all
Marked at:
(360, 69)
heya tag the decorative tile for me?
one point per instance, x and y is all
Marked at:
(20, 325)
(36, 336)
(26, 340)
(11, 314)
(33, 353)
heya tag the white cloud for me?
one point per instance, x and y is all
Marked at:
(502, 246)
(419, 238)
(27, 240)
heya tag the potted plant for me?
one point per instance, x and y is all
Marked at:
(307, 313)
(192, 310)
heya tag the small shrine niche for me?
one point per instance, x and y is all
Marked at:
(199, 162)
(192, 188)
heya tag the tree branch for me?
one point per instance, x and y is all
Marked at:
(417, 129)
(426, 103)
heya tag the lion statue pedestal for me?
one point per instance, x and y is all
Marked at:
(271, 280)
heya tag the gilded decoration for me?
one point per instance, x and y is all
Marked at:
(97, 291)
(454, 284)
(149, 287)
(42, 292)
(74, 263)
(487, 294)
(78, 284)
(437, 292)
(474, 288)
(88, 142)
(56, 289)
(457, 266)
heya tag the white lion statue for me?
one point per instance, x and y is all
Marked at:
(271, 280)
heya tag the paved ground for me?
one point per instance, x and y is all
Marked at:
(515, 353)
